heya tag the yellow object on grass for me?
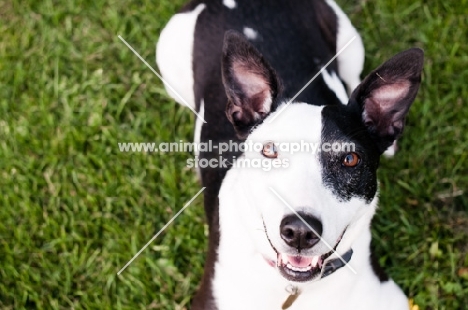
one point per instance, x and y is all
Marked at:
(412, 305)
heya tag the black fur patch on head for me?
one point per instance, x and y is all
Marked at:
(343, 124)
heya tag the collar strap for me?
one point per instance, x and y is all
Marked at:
(334, 264)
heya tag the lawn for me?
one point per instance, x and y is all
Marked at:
(74, 210)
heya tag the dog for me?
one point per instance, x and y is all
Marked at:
(295, 237)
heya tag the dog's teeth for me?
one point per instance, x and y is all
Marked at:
(315, 260)
(299, 269)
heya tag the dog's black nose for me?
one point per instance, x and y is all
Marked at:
(299, 235)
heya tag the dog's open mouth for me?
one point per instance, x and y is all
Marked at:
(301, 268)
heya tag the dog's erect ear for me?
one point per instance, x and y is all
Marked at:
(386, 94)
(251, 84)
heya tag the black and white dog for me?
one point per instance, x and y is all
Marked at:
(296, 237)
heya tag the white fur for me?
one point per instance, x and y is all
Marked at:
(334, 83)
(174, 54)
(390, 152)
(199, 124)
(250, 33)
(243, 278)
(351, 60)
(231, 4)
(198, 130)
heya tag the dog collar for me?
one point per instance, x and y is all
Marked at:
(334, 264)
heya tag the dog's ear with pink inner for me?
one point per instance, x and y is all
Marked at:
(251, 84)
(386, 94)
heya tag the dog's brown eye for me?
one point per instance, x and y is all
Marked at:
(351, 160)
(269, 150)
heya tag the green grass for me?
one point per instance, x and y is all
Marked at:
(74, 210)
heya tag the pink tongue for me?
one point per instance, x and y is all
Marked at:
(299, 261)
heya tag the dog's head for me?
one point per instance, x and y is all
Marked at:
(317, 200)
